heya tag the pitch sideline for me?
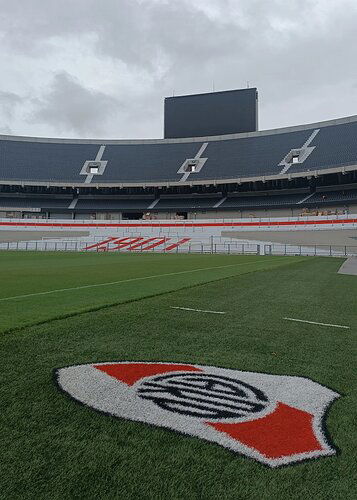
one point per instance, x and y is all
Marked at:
(196, 310)
(317, 323)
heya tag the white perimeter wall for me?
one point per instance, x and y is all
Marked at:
(197, 227)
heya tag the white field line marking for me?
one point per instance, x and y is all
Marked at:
(316, 323)
(133, 279)
(197, 310)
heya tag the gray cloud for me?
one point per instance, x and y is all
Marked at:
(70, 106)
(8, 103)
(6, 130)
(124, 56)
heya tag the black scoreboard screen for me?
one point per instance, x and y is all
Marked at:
(215, 113)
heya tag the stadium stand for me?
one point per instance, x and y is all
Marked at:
(166, 203)
(334, 145)
(262, 201)
(230, 157)
(333, 197)
(307, 166)
(146, 162)
(180, 202)
(187, 203)
(249, 156)
(27, 203)
(113, 204)
(35, 160)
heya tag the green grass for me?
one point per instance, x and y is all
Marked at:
(54, 448)
(23, 273)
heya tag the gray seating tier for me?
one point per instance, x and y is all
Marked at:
(29, 202)
(262, 201)
(230, 157)
(187, 203)
(113, 204)
(175, 203)
(333, 197)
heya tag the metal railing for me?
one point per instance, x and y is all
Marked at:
(214, 246)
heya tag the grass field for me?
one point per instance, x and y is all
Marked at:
(59, 309)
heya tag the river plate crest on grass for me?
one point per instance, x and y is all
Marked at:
(274, 419)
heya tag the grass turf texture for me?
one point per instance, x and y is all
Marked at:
(141, 275)
(55, 448)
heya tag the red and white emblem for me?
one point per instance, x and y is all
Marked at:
(274, 419)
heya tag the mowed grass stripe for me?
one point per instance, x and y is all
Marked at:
(30, 272)
(140, 278)
(33, 275)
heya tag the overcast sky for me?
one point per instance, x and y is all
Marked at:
(91, 68)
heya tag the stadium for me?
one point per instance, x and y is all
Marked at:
(304, 175)
(178, 315)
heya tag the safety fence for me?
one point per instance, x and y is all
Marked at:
(212, 246)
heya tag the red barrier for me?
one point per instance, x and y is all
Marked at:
(181, 224)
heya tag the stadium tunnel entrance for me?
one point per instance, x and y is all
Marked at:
(182, 215)
(132, 215)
